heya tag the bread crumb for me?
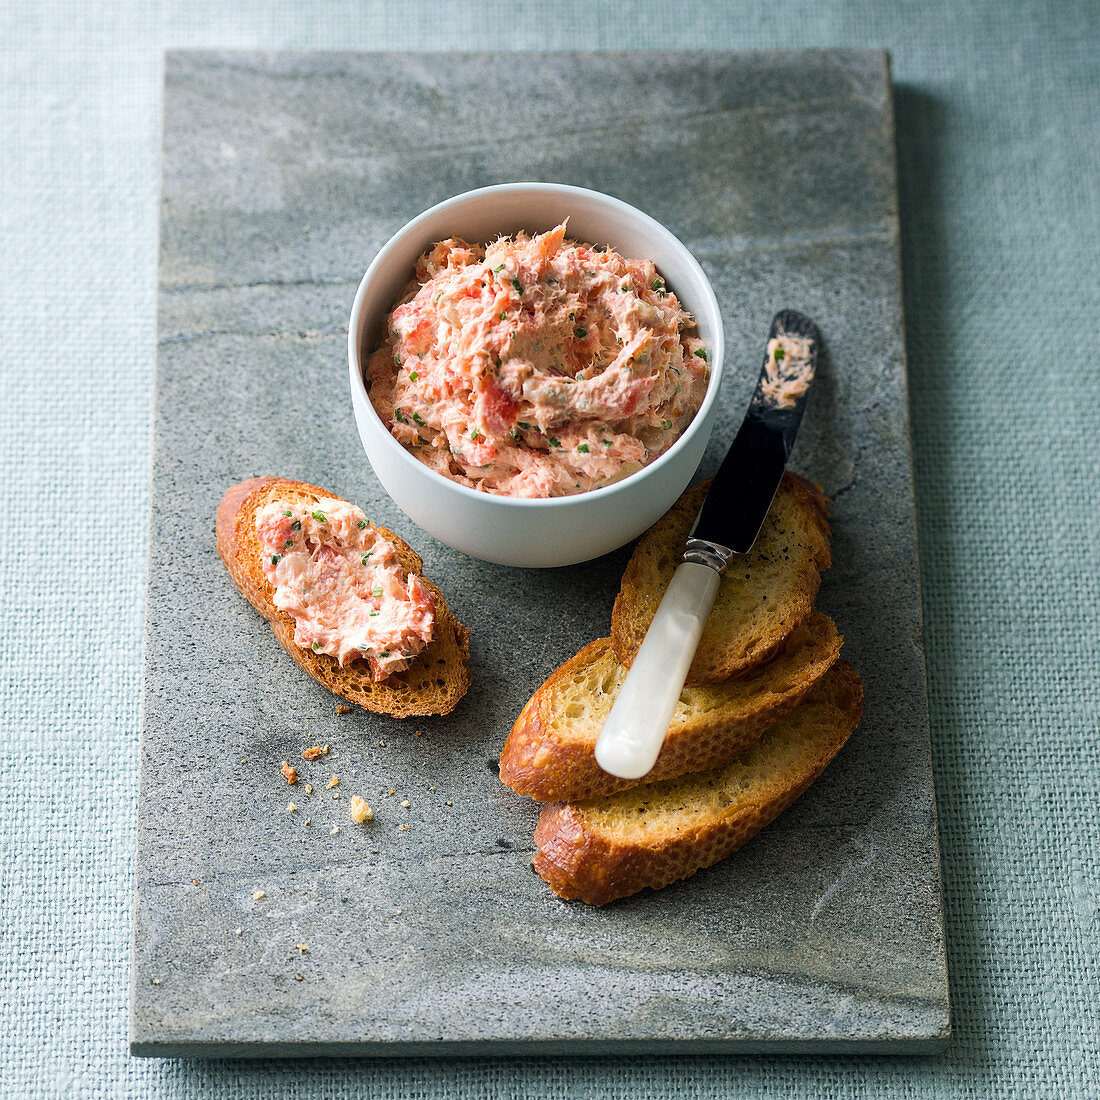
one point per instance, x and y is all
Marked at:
(360, 811)
(240, 931)
(334, 830)
(309, 788)
(289, 773)
(312, 753)
(291, 808)
(405, 826)
(406, 803)
(309, 820)
(194, 882)
(298, 977)
(399, 912)
(258, 894)
(431, 788)
(419, 733)
(333, 782)
(389, 794)
(303, 949)
(449, 802)
(341, 709)
(325, 750)
(244, 761)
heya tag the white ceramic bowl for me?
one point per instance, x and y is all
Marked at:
(560, 530)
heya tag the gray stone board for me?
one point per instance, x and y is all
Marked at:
(282, 174)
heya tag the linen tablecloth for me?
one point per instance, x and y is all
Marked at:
(999, 154)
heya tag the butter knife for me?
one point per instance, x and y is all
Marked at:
(727, 525)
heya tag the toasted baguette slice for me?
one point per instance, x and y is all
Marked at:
(764, 595)
(549, 754)
(436, 678)
(603, 849)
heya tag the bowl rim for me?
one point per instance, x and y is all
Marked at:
(601, 492)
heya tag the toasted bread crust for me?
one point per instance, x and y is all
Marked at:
(550, 753)
(436, 678)
(745, 629)
(598, 850)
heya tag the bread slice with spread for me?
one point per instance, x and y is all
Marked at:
(654, 834)
(550, 753)
(764, 594)
(344, 598)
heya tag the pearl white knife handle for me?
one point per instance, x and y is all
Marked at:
(632, 736)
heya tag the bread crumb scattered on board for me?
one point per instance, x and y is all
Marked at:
(303, 949)
(334, 830)
(309, 788)
(406, 803)
(290, 773)
(333, 782)
(258, 894)
(291, 808)
(360, 811)
(240, 931)
(312, 753)
(342, 709)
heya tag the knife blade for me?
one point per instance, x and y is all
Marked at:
(728, 522)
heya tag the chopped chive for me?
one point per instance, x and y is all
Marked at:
(515, 434)
(583, 448)
(554, 442)
(362, 524)
(384, 653)
(496, 269)
(572, 316)
(606, 442)
(397, 359)
(666, 424)
(316, 645)
(474, 434)
(518, 285)
(289, 542)
(702, 353)
(413, 376)
(288, 513)
(503, 315)
(580, 333)
(435, 300)
(551, 279)
(658, 285)
(399, 415)
(779, 353)
(619, 341)
(376, 590)
(319, 517)
(276, 558)
(418, 419)
(525, 427)
(373, 612)
(363, 558)
(296, 525)
(625, 286)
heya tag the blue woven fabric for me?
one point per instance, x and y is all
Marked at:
(999, 146)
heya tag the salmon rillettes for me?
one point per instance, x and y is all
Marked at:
(341, 581)
(536, 366)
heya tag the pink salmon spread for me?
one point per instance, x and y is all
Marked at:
(536, 366)
(342, 582)
(788, 369)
